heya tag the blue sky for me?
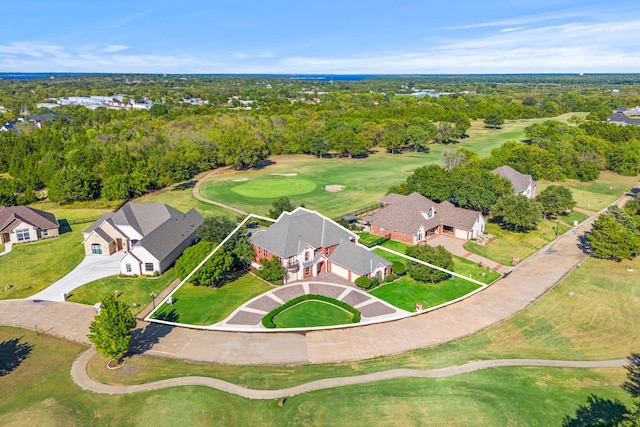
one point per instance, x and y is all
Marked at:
(308, 36)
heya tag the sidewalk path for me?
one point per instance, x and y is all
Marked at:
(80, 377)
(91, 268)
(7, 248)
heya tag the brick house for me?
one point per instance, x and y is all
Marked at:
(414, 219)
(308, 244)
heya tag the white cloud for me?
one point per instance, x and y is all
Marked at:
(115, 48)
(509, 30)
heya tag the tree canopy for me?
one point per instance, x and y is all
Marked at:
(110, 331)
(556, 200)
(517, 212)
(437, 256)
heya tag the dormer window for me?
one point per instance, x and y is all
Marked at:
(430, 214)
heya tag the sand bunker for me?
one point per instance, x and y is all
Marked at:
(333, 188)
(283, 174)
(240, 180)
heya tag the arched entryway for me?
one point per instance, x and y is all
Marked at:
(321, 267)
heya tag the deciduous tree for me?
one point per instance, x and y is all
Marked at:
(110, 331)
(517, 212)
(437, 256)
(556, 200)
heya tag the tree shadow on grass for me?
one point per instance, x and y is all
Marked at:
(64, 227)
(12, 353)
(143, 339)
(597, 412)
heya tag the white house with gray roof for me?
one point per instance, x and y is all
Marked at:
(309, 243)
(151, 236)
(522, 183)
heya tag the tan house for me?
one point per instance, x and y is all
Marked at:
(151, 236)
(308, 244)
(414, 219)
(22, 224)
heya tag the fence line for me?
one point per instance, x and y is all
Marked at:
(359, 211)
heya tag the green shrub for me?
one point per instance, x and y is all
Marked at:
(363, 282)
(267, 320)
(398, 268)
(390, 278)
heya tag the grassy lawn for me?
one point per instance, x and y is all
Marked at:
(41, 392)
(76, 213)
(31, 267)
(183, 200)
(367, 239)
(406, 292)
(509, 244)
(460, 265)
(312, 313)
(131, 290)
(569, 217)
(202, 305)
(595, 195)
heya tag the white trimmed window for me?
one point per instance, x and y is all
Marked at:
(148, 266)
(23, 235)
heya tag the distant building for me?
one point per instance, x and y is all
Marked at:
(522, 183)
(22, 224)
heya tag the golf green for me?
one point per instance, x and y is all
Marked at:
(270, 187)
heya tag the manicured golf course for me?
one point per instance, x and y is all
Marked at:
(303, 178)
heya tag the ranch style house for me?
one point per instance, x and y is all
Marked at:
(309, 243)
(150, 235)
(414, 219)
(22, 224)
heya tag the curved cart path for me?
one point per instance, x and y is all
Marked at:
(80, 377)
(196, 192)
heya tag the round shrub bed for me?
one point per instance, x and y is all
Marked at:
(267, 320)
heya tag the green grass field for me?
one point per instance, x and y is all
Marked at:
(595, 195)
(41, 392)
(136, 292)
(406, 292)
(31, 267)
(509, 244)
(310, 314)
(183, 200)
(202, 305)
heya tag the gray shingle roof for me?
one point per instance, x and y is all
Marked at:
(519, 180)
(170, 234)
(357, 258)
(405, 214)
(622, 118)
(293, 230)
(37, 218)
(142, 217)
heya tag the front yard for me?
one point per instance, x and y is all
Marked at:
(136, 292)
(203, 305)
(32, 267)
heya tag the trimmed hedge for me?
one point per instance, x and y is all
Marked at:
(398, 268)
(267, 320)
(363, 282)
(390, 278)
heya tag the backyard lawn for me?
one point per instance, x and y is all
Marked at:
(130, 290)
(32, 267)
(183, 200)
(203, 305)
(310, 313)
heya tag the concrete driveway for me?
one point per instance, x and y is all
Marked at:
(90, 269)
